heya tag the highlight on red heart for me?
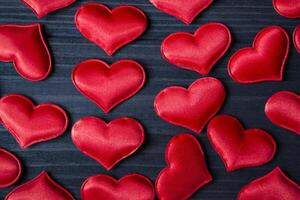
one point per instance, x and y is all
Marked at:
(296, 38)
(287, 8)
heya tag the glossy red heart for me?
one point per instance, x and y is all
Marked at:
(287, 8)
(198, 51)
(296, 37)
(106, 85)
(30, 124)
(193, 107)
(264, 61)
(273, 186)
(186, 170)
(24, 45)
(133, 187)
(238, 147)
(108, 143)
(110, 29)
(184, 10)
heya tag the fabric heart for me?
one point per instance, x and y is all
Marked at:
(264, 61)
(110, 30)
(184, 10)
(186, 170)
(24, 45)
(108, 143)
(287, 8)
(273, 186)
(130, 187)
(30, 124)
(193, 107)
(198, 51)
(296, 37)
(238, 147)
(106, 85)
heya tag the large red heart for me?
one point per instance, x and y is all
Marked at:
(193, 107)
(108, 143)
(264, 61)
(296, 37)
(186, 170)
(133, 187)
(198, 51)
(238, 147)
(30, 124)
(106, 85)
(24, 45)
(110, 30)
(287, 8)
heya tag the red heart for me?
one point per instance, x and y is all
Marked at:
(184, 10)
(273, 186)
(296, 37)
(108, 143)
(31, 124)
(186, 170)
(106, 85)
(264, 61)
(287, 8)
(193, 107)
(24, 45)
(133, 187)
(110, 30)
(238, 147)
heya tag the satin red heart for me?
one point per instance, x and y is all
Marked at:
(193, 107)
(110, 29)
(24, 45)
(30, 124)
(106, 85)
(296, 37)
(287, 8)
(198, 51)
(264, 61)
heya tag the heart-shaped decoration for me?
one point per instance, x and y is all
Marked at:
(30, 124)
(198, 51)
(24, 45)
(110, 29)
(296, 37)
(238, 147)
(106, 85)
(193, 107)
(264, 61)
(287, 8)
(108, 143)
(186, 170)
(133, 187)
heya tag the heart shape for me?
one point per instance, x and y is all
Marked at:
(186, 170)
(238, 147)
(183, 10)
(110, 29)
(106, 85)
(296, 37)
(24, 45)
(133, 187)
(193, 107)
(30, 124)
(264, 61)
(108, 143)
(287, 8)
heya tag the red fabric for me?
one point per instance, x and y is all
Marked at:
(130, 187)
(264, 61)
(296, 37)
(110, 30)
(108, 143)
(25, 47)
(193, 107)
(106, 85)
(287, 8)
(30, 124)
(238, 147)
(186, 170)
(273, 186)
(198, 51)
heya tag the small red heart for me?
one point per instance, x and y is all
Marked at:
(264, 61)
(106, 85)
(110, 29)
(24, 45)
(108, 143)
(186, 170)
(30, 124)
(296, 37)
(287, 8)
(238, 147)
(133, 187)
(193, 107)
